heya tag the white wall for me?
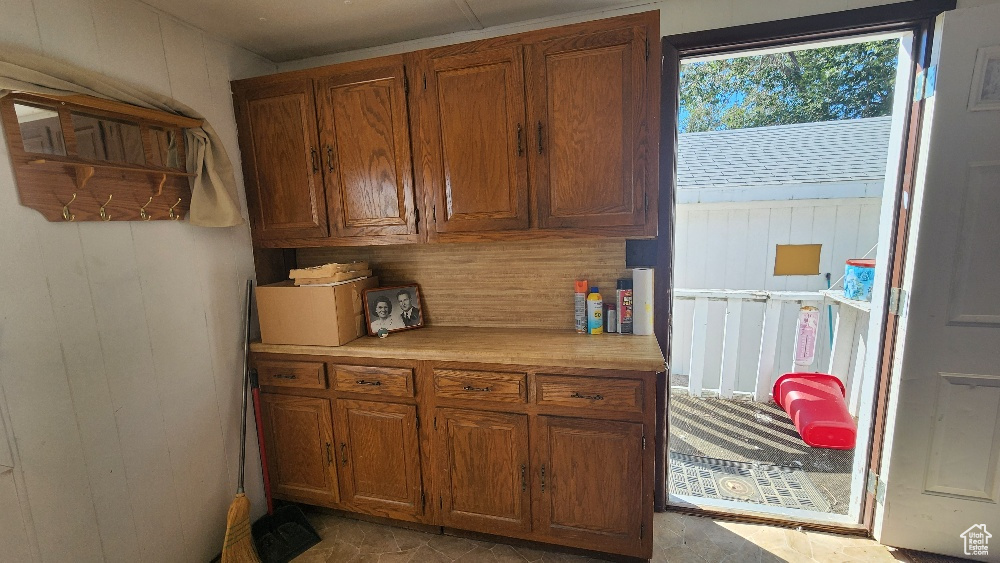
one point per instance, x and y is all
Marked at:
(121, 343)
(732, 245)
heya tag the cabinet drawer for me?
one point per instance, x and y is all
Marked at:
(503, 386)
(591, 392)
(375, 381)
(288, 373)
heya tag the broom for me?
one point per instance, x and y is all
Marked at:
(238, 546)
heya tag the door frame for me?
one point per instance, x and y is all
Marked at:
(916, 17)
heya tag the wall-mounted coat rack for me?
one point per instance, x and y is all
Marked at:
(78, 158)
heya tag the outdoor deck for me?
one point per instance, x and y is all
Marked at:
(728, 440)
(755, 433)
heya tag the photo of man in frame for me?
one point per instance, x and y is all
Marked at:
(409, 313)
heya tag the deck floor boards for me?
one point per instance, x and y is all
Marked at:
(749, 432)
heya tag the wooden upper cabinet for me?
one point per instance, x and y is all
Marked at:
(280, 151)
(551, 132)
(484, 462)
(589, 483)
(379, 458)
(366, 148)
(590, 111)
(298, 434)
(475, 109)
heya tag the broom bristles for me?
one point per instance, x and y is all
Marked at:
(238, 546)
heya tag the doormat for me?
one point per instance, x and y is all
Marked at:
(757, 483)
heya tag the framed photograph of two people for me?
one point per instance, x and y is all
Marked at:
(392, 309)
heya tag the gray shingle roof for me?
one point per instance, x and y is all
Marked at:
(829, 151)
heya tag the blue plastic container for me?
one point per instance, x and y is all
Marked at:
(859, 277)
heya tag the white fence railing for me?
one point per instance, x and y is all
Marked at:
(848, 340)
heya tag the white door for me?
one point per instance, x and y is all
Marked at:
(944, 449)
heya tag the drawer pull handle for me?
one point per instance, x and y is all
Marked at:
(577, 395)
(343, 453)
(285, 376)
(366, 382)
(471, 388)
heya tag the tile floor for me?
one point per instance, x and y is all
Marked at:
(678, 538)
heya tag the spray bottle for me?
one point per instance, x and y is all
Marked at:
(595, 312)
(580, 305)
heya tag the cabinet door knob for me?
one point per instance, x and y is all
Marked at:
(539, 137)
(524, 481)
(315, 163)
(329, 453)
(520, 148)
(543, 478)
(329, 158)
(343, 453)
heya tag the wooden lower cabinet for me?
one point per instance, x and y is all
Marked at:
(484, 465)
(559, 458)
(298, 432)
(589, 483)
(379, 458)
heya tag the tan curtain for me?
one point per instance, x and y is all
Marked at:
(214, 195)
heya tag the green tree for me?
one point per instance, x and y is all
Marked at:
(825, 84)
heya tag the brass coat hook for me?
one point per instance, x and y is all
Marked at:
(142, 210)
(104, 212)
(67, 215)
(173, 215)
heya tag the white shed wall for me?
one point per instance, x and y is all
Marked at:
(732, 245)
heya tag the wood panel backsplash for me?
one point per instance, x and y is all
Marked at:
(494, 284)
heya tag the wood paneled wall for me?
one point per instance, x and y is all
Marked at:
(121, 343)
(519, 285)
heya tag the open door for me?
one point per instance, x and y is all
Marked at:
(916, 19)
(943, 429)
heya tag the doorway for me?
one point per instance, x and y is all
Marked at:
(750, 271)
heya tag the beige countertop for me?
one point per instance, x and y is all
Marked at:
(497, 346)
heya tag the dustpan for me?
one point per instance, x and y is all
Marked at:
(283, 535)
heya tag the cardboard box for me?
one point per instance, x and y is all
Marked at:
(312, 316)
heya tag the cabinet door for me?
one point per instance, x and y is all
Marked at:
(478, 141)
(379, 458)
(366, 150)
(484, 459)
(298, 434)
(590, 132)
(281, 161)
(588, 483)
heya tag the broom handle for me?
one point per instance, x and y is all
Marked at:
(246, 378)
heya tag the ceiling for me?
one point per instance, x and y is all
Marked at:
(296, 29)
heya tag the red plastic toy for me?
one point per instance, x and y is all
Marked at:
(815, 403)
